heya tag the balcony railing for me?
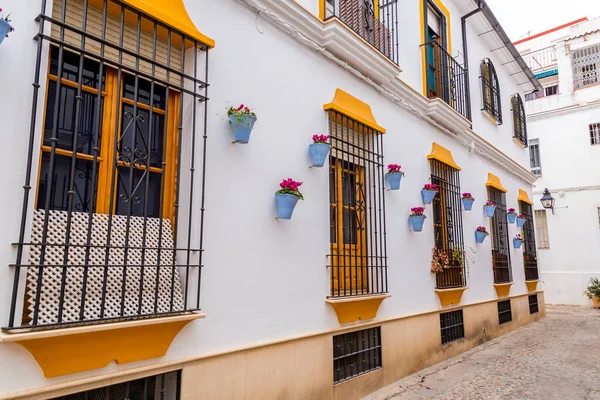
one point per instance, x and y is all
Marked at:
(378, 26)
(541, 60)
(446, 78)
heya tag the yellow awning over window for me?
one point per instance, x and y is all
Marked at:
(442, 154)
(170, 12)
(494, 181)
(354, 108)
(524, 197)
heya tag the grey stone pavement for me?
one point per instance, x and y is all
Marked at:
(555, 358)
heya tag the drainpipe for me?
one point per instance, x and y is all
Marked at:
(463, 22)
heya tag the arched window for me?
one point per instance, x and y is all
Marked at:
(491, 91)
(519, 120)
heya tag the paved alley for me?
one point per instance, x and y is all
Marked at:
(555, 358)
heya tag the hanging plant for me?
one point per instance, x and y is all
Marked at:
(512, 215)
(417, 218)
(439, 261)
(490, 208)
(242, 120)
(521, 219)
(518, 241)
(467, 201)
(480, 234)
(287, 197)
(5, 26)
(318, 150)
(394, 176)
(428, 192)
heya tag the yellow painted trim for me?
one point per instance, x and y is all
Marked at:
(449, 297)
(503, 289)
(531, 285)
(356, 308)
(70, 352)
(446, 13)
(494, 181)
(524, 197)
(442, 154)
(354, 108)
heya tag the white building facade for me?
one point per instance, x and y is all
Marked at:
(143, 256)
(565, 148)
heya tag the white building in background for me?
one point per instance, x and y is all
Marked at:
(140, 253)
(564, 142)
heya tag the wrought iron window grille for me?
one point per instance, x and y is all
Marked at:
(533, 304)
(117, 233)
(504, 312)
(358, 251)
(534, 157)
(448, 225)
(595, 133)
(529, 252)
(586, 66)
(452, 326)
(491, 91)
(500, 240)
(356, 353)
(519, 119)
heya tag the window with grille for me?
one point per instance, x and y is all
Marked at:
(541, 228)
(491, 90)
(163, 387)
(586, 66)
(533, 304)
(356, 353)
(452, 326)
(447, 224)
(529, 251)
(504, 312)
(519, 119)
(357, 259)
(117, 146)
(500, 239)
(549, 90)
(534, 157)
(595, 133)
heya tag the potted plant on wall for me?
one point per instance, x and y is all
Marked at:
(521, 219)
(394, 176)
(517, 241)
(439, 261)
(5, 26)
(593, 292)
(512, 215)
(319, 149)
(490, 208)
(429, 191)
(242, 121)
(480, 234)
(287, 197)
(417, 218)
(467, 201)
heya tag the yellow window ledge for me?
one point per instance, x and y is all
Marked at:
(524, 197)
(356, 308)
(443, 155)
(71, 350)
(449, 297)
(358, 110)
(494, 181)
(502, 289)
(532, 285)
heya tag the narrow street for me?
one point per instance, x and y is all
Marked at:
(555, 358)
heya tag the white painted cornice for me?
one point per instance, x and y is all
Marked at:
(338, 43)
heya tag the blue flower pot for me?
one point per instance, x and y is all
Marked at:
(428, 196)
(4, 29)
(489, 210)
(511, 218)
(480, 236)
(521, 222)
(468, 204)
(517, 243)
(285, 205)
(394, 180)
(318, 153)
(242, 127)
(417, 222)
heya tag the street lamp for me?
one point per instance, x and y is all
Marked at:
(547, 200)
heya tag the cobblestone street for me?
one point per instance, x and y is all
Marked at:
(555, 358)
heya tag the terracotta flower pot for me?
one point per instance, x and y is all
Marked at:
(596, 301)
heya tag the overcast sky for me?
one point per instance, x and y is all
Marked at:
(521, 16)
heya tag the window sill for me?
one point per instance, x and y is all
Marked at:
(517, 141)
(356, 308)
(449, 297)
(71, 350)
(532, 285)
(490, 117)
(503, 289)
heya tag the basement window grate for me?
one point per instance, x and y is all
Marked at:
(504, 312)
(356, 353)
(533, 304)
(452, 326)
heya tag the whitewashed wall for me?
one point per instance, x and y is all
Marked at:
(266, 279)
